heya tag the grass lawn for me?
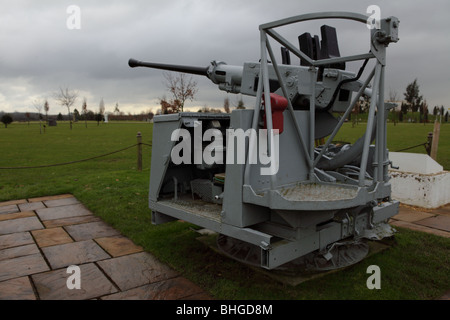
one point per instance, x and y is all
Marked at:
(416, 267)
(405, 135)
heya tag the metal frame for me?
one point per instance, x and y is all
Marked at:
(377, 75)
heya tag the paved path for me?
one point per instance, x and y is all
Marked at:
(435, 221)
(41, 237)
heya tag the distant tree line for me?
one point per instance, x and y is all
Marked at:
(414, 108)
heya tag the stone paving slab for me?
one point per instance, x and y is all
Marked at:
(411, 216)
(15, 239)
(17, 289)
(51, 237)
(117, 246)
(56, 197)
(445, 210)
(434, 221)
(75, 210)
(20, 251)
(74, 253)
(60, 202)
(16, 215)
(19, 225)
(9, 208)
(440, 222)
(7, 203)
(70, 221)
(90, 230)
(136, 270)
(172, 289)
(418, 227)
(22, 266)
(52, 285)
(31, 206)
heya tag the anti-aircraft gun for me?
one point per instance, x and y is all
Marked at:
(265, 179)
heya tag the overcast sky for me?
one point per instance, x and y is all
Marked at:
(39, 53)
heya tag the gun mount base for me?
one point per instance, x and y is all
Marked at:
(339, 255)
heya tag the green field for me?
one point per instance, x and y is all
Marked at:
(416, 267)
(405, 135)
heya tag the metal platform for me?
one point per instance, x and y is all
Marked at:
(308, 196)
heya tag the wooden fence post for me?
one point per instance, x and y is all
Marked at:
(435, 142)
(139, 151)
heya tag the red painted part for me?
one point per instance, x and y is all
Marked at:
(278, 104)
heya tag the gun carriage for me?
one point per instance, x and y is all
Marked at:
(311, 201)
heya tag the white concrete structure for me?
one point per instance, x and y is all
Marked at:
(419, 181)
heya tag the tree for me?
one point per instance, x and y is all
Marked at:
(226, 105)
(101, 107)
(76, 114)
(98, 118)
(38, 106)
(181, 87)
(116, 109)
(84, 111)
(412, 96)
(6, 119)
(393, 98)
(168, 107)
(424, 111)
(240, 104)
(404, 108)
(392, 95)
(66, 99)
(46, 108)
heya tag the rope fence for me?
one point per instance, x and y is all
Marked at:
(138, 144)
(419, 145)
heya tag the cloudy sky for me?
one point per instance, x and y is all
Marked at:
(39, 53)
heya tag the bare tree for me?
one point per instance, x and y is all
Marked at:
(38, 106)
(66, 99)
(84, 111)
(46, 108)
(101, 107)
(226, 105)
(101, 111)
(182, 88)
(393, 96)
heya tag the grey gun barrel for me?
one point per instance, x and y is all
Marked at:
(170, 67)
(227, 77)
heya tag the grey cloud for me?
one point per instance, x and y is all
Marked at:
(39, 54)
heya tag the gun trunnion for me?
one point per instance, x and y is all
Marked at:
(305, 200)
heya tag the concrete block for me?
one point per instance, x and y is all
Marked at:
(419, 181)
